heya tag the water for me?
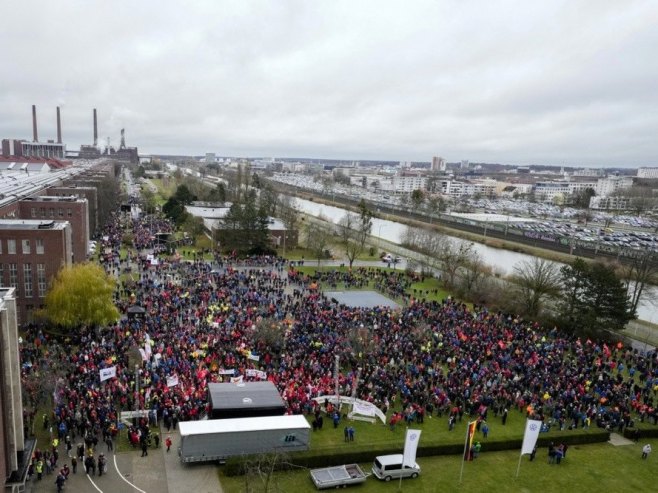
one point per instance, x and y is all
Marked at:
(503, 261)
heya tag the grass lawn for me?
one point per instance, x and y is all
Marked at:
(429, 284)
(164, 191)
(587, 468)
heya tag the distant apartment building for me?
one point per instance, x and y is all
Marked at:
(588, 172)
(438, 164)
(647, 173)
(459, 188)
(71, 209)
(548, 191)
(15, 451)
(613, 203)
(607, 186)
(402, 184)
(31, 253)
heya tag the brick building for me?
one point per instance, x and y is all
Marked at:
(89, 193)
(71, 209)
(31, 253)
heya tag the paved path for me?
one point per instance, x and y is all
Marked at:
(616, 439)
(128, 472)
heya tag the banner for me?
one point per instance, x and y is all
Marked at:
(410, 447)
(107, 373)
(255, 357)
(236, 379)
(226, 372)
(256, 373)
(470, 433)
(172, 380)
(532, 428)
(143, 353)
(363, 408)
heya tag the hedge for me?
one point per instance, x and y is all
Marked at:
(641, 433)
(362, 453)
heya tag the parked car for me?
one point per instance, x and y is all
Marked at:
(387, 467)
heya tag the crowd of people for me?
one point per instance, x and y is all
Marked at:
(212, 320)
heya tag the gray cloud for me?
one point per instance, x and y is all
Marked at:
(561, 82)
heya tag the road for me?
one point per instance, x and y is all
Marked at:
(128, 472)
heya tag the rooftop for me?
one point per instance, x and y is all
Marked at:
(31, 224)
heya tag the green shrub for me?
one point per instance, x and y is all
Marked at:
(364, 453)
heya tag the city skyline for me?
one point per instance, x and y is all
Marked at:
(557, 83)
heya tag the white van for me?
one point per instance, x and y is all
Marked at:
(389, 467)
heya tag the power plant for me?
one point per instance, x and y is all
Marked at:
(49, 149)
(19, 148)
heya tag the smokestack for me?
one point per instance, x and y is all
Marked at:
(59, 128)
(35, 135)
(95, 129)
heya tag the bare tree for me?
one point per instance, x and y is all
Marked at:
(474, 276)
(534, 281)
(453, 256)
(439, 252)
(348, 235)
(259, 472)
(317, 240)
(288, 212)
(641, 273)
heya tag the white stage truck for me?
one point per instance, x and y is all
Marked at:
(337, 476)
(219, 439)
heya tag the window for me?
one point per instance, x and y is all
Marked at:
(2, 273)
(60, 212)
(39, 246)
(27, 279)
(69, 212)
(0, 246)
(13, 275)
(51, 212)
(26, 247)
(33, 212)
(42, 212)
(41, 279)
(11, 247)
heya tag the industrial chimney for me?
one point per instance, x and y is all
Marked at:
(59, 128)
(95, 129)
(35, 135)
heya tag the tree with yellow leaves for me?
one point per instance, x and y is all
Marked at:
(81, 295)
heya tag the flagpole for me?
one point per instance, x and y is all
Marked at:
(461, 474)
(518, 468)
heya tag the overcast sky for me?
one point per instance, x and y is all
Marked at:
(547, 82)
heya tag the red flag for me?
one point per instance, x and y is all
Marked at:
(470, 433)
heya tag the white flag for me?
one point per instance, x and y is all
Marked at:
(363, 408)
(532, 428)
(107, 373)
(410, 447)
(172, 380)
(230, 371)
(236, 379)
(256, 373)
(143, 353)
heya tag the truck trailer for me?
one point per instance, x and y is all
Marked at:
(219, 439)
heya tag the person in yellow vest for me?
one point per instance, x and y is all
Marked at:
(38, 467)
